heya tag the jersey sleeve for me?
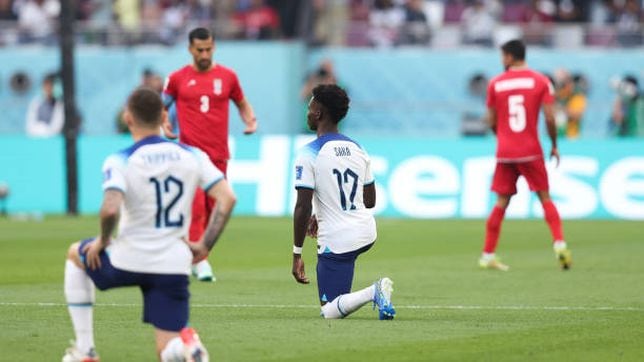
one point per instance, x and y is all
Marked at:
(210, 175)
(114, 174)
(489, 102)
(236, 93)
(368, 178)
(170, 89)
(304, 171)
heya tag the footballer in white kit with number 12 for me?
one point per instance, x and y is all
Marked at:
(334, 173)
(148, 190)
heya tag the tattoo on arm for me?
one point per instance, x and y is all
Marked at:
(112, 200)
(218, 220)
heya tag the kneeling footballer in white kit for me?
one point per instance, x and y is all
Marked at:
(148, 191)
(334, 173)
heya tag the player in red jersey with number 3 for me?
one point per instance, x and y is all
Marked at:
(514, 99)
(201, 93)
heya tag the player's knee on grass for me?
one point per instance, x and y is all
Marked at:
(74, 256)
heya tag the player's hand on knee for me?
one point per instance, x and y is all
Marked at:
(92, 252)
(298, 270)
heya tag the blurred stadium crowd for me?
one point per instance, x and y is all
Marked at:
(377, 23)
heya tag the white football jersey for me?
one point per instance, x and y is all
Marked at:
(158, 179)
(337, 168)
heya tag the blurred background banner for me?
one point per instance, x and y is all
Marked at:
(405, 92)
(415, 177)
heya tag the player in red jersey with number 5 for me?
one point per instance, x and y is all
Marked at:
(200, 93)
(514, 99)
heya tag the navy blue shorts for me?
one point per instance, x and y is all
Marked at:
(335, 273)
(165, 296)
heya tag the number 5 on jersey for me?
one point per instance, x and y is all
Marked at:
(517, 113)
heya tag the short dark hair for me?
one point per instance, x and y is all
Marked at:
(146, 106)
(50, 78)
(515, 48)
(199, 33)
(334, 99)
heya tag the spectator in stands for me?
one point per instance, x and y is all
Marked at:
(258, 22)
(331, 19)
(570, 105)
(537, 21)
(128, 16)
(200, 13)
(7, 36)
(173, 21)
(415, 29)
(572, 11)
(627, 118)
(6, 11)
(99, 20)
(149, 79)
(385, 20)
(324, 74)
(601, 11)
(474, 119)
(37, 21)
(478, 23)
(45, 115)
(629, 23)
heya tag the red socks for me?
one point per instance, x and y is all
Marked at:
(493, 229)
(553, 220)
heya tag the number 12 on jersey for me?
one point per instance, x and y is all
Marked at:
(343, 178)
(172, 189)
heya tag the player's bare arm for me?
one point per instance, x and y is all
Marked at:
(218, 218)
(369, 195)
(301, 216)
(549, 113)
(247, 115)
(491, 118)
(109, 214)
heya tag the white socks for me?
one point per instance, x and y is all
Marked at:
(79, 293)
(173, 351)
(346, 304)
(559, 245)
(487, 257)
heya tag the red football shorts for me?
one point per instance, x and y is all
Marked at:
(202, 206)
(505, 177)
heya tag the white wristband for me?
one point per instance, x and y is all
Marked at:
(297, 250)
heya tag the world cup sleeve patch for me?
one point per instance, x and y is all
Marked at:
(298, 172)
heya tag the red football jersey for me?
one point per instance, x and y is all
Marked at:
(517, 96)
(202, 100)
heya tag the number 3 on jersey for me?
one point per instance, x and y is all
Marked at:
(516, 110)
(205, 104)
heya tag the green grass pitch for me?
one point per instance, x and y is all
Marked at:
(448, 309)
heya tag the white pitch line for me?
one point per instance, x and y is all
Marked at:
(304, 306)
